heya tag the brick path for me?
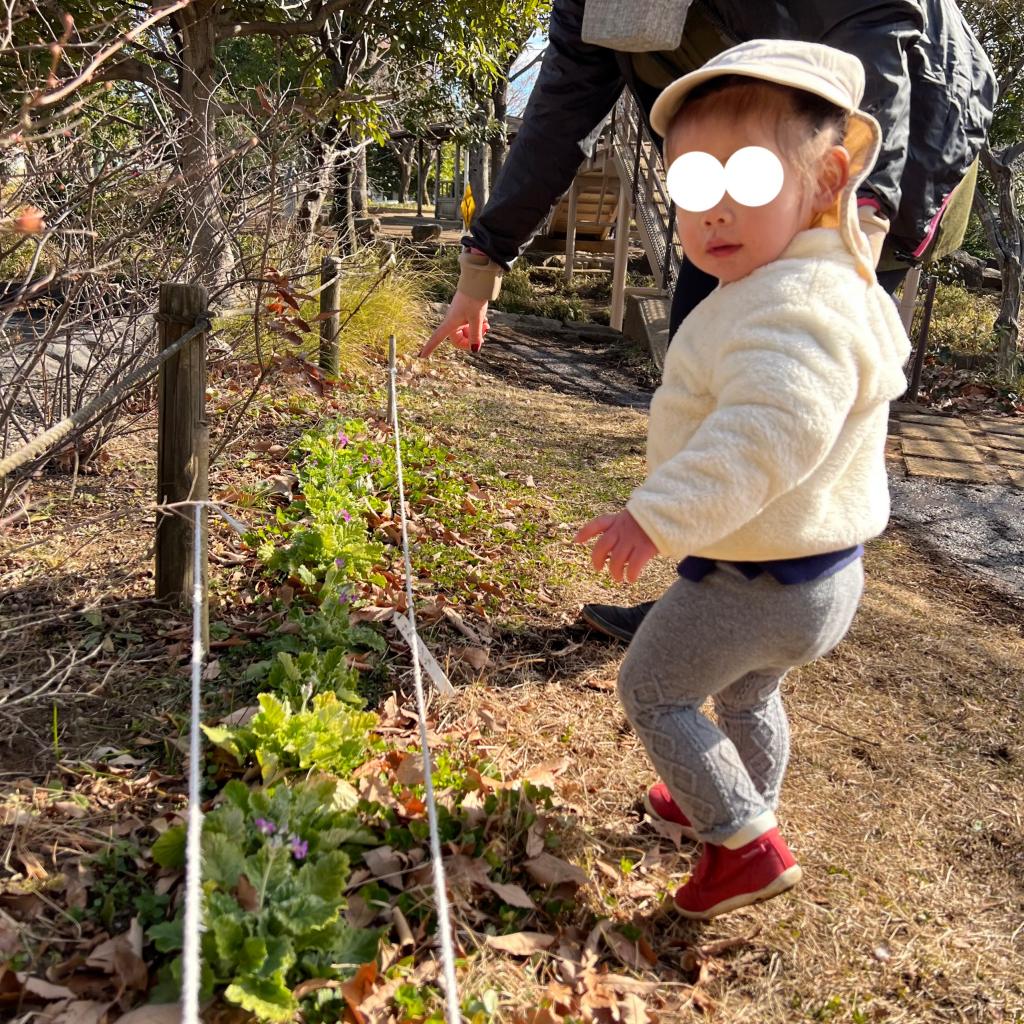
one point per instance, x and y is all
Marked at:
(977, 449)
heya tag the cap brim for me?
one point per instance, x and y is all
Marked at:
(672, 96)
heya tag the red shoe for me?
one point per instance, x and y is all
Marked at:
(726, 879)
(659, 804)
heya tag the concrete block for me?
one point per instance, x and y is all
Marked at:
(929, 417)
(646, 321)
(941, 450)
(1010, 458)
(934, 432)
(426, 232)
(1011, 427)
(943, 470)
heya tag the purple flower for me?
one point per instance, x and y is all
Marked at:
(342, 438)
(344, 597)
(340, 562)
(299, 848)
(268, 828)
(366, 458)
(346, 515)
(378, 462)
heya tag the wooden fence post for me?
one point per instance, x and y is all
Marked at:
(392, 356)
(330, 311)
(183, 445)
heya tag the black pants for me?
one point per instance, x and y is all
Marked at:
(694, 286)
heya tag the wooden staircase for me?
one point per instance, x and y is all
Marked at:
(596, 200)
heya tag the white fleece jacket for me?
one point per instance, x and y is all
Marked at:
(767, 435)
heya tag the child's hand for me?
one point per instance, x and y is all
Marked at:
(623, 545)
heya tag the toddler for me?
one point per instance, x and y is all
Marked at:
(766, 468)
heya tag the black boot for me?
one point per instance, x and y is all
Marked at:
(615, 621)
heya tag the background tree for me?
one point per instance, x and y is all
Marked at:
(999, 25)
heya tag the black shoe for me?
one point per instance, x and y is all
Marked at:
(614, 621)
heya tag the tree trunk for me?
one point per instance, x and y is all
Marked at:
(1006, 236)
(342, 215)
(428, 163)
(211, 246)
(499, 144)
(326, 154)
(403, 152)
(479, 176)
(360, 186)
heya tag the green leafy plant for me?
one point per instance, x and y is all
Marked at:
(319, 639)
(327, 734)
(275, 865)
(347, 479)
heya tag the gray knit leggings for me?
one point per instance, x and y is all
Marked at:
(732, 639)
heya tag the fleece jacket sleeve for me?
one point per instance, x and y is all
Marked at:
(783, 395)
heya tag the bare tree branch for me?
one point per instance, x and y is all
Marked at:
(522, 71)
(132, 70)
(1007, 156)
(89, 73)
(283, 29)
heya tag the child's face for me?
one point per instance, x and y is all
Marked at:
(730, 240)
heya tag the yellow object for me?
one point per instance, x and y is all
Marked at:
(467, 208)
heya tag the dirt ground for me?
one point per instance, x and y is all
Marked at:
(905, 792)
(904, 795)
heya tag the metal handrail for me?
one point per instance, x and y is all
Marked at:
(639, 161)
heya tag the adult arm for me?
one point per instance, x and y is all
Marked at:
(577, 86)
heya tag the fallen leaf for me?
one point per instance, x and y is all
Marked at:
(241, 716)
(33, 866)
(43, 989)
(666, 829)
(356, 989)
(513, 895)
(410, 771)
(121, 957)
(636, 954)
(77, 1011)
(550, 870)
(476, 657)
(385, 864)
(212, 670)
(153, 1013)
(535, 836)
(247, 895)
(520, 943)
(544, 774)
(632, 1010)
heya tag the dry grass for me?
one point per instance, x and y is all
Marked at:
(903, 800)
(904, 796)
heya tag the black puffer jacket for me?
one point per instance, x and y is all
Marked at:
(928, 82)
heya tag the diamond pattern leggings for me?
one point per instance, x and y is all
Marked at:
(733, 640)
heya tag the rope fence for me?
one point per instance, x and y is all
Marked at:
(191, 954)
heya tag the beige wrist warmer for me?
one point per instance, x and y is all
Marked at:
(479, 276)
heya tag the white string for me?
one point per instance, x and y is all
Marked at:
(444, 926)
(193, 858)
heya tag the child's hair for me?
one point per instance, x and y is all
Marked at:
(806, 125)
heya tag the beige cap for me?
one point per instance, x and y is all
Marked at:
(823, 70)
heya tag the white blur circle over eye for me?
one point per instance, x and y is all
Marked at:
(753, 176)
(696, 182)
